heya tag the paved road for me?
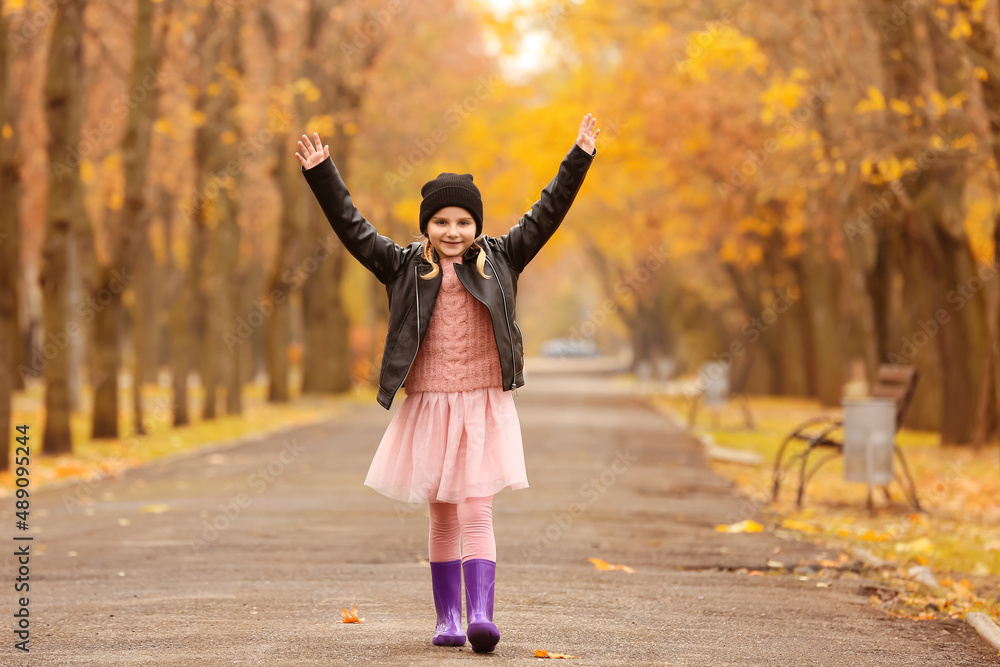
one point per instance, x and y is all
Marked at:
(301, 537)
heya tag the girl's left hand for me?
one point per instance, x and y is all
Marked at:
(585, 139)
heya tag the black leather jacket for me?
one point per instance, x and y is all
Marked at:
(411, 298)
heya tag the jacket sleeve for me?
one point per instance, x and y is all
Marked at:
(377, 253)
(537, 226)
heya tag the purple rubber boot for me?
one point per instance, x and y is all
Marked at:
(446, 578)
(480, 577)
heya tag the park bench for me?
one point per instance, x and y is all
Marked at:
(824, 435)
(714, 390)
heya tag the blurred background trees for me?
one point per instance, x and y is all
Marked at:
(804, 190)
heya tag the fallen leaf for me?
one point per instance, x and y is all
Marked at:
(70, 470)
(872, 536)
(540, 653)
(747, 526)
(919, 545)
(350, 616)
(962, 588)
(775, 563)
(800, 526)
(155, 509)
(600, 564)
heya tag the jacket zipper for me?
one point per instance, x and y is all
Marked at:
(416, 290)
(510, 334)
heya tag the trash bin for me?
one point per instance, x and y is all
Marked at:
(869, 439)
(715, 381)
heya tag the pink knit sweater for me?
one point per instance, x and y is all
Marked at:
(459, 351)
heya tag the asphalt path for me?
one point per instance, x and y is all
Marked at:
(245, 555)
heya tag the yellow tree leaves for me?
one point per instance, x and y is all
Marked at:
(783, 95)
(875, 101)
(939, 104)
(724, 47)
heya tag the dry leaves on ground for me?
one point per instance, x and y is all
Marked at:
(350, 616)
(605, 565)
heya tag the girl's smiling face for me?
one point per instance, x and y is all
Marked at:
(451, 231)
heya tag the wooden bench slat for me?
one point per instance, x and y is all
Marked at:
(901, 375)
(888, 391)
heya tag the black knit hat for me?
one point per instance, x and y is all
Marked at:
(451, 190)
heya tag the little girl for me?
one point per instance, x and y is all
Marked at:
(456, 440)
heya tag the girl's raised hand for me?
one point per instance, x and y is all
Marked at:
(585, 139)
(313, 155)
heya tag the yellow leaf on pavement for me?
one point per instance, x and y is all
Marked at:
(541, 653)
(800, 526)
(155, 509)
(748, 526)
(920, 545)
(600, 564)
(350, 616)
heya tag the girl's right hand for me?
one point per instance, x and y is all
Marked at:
(313, 155)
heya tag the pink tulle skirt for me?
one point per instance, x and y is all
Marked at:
(449, 446)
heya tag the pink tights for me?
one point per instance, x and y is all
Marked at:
(472, 520)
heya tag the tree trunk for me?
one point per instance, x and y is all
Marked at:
(143, 326)
(63, 113)
(279, 324)
(125, 230)
(221, 196)
(807, 280)
(956, 319)
(927, 404)
(106, 357)
(326, 361)
(830, 360)
(10, 264)
(879, 284)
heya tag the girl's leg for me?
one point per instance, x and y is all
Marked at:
(444, 532)
(446, 574)
(475, 516)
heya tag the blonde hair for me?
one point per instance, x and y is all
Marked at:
(430, 254)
